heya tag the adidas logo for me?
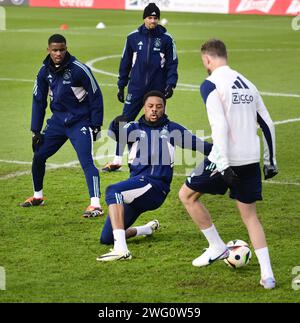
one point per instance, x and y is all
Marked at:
(239, 84)
(241, 97)
(153, 13)
(83, 130)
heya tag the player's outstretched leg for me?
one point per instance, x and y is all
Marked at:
(210, 256)
(144, 230)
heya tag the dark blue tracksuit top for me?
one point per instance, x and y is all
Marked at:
(74, 94)
(152, 147)
(149, 60)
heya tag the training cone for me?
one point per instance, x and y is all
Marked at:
(100, 25)
(64, 27)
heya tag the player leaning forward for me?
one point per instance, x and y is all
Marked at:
(152, 141)
(234, 108)
(77, 106)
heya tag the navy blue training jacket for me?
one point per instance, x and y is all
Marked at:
(152, 147)
(149, 60)
(74, 94)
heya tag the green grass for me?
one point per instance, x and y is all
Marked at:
(49, 253)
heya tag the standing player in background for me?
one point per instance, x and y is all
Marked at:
(149, 62)
(234, 108)
(77, 106)
(152, 141)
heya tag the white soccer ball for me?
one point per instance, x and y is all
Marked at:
(164, 21)
(239, 253)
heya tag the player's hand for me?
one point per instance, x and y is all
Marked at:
(270, 171)
(120, 119)
(230, 177)
(168, 91)
(37, 140)
(96, 131)
(120, 95)
(207, 148)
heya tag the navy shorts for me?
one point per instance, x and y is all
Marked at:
(138, 194)
(204, 180)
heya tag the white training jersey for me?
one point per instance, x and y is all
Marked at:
(235, 107)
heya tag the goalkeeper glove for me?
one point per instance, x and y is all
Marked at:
(96, 131)
(120, 94)
(230, 177)
(270, 171)
(168, 91)
(37, 140)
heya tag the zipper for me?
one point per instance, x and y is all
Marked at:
(152, 170)
(148, 56)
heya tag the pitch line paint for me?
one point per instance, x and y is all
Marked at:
(189, 87)
(181, 86)
(75, 163)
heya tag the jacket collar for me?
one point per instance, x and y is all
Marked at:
(159, 123)
(156, 32)
(68, 59)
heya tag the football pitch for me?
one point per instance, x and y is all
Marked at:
(49, 253)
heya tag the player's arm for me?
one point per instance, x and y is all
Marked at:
(267, 126)
(123, 131)
(185, 139)
(39, 101)
(125, 65)
(171, 66)
(220, 132)
(94, 95)
(218, 123)
(91, 89)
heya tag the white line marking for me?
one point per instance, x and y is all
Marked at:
(263, 181)
(275, 123)
(99, 59)
(254, 24)
(189, 87)
(286, 121)
(76, 162)
(180, 86)
(16, 174)
(290, 95)
(15, 80)
(27, 172)
(280, 183)
(15, 162)
(50, 166)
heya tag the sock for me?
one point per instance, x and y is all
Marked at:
(95, 201)
(38, 195)
(120, 240)
(213, 238)
(263, 257)
(143, 230)
(118, 160)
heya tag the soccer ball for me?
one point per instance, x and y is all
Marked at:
(164, 21)
(239, 254)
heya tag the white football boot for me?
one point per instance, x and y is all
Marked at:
(154, 225)
(210, 256)
(115, 255)
(268, 283)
